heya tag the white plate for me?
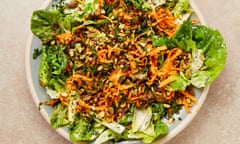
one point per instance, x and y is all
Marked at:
(39, 94)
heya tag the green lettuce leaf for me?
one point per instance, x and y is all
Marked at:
(85, 130)
(158, 111)
(68, 22)
(212, 44)
(45, 23)
(143, 126)
(183, 37)
(201, 78)
(128, 116)
(171, 3)
(160, 130)
(201, 40)
(52, 67)
(180, 83)
(181, 7)
(89, 6)
(139, 4)
(59, 117)
(158, 41)
(44, 68)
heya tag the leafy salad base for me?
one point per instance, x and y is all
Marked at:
(40, 95)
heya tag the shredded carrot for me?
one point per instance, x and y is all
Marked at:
(155, 51)
(165, 21)
(167, 81)
(65, 38)
(108, 77)
(51, 102)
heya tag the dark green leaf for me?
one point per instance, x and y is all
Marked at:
(158, 110)
(158, 41)
(183, 37)
(37, 52)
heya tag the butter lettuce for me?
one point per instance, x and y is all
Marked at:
(45, 23)
(158, 41)
(44, 68)
(201, 40)
(183, 37)
(180, 83)
(200, 78)
(205, 45)
(89, 6)
(52, 67)
(160, 129)
(85, 130)
(181, 7)
(143, 126)
(68, 22)
(139, 4)
(128, 116)
(59, 117)
(212, 44)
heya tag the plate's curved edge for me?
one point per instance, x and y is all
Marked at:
(45, 4)
(63, 133)
(198, 12)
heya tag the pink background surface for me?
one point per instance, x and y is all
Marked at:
(218, 122)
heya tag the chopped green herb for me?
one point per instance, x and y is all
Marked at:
(37, 52)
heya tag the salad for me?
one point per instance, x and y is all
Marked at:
(119, 70)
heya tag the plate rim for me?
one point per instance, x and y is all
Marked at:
(178, 129)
